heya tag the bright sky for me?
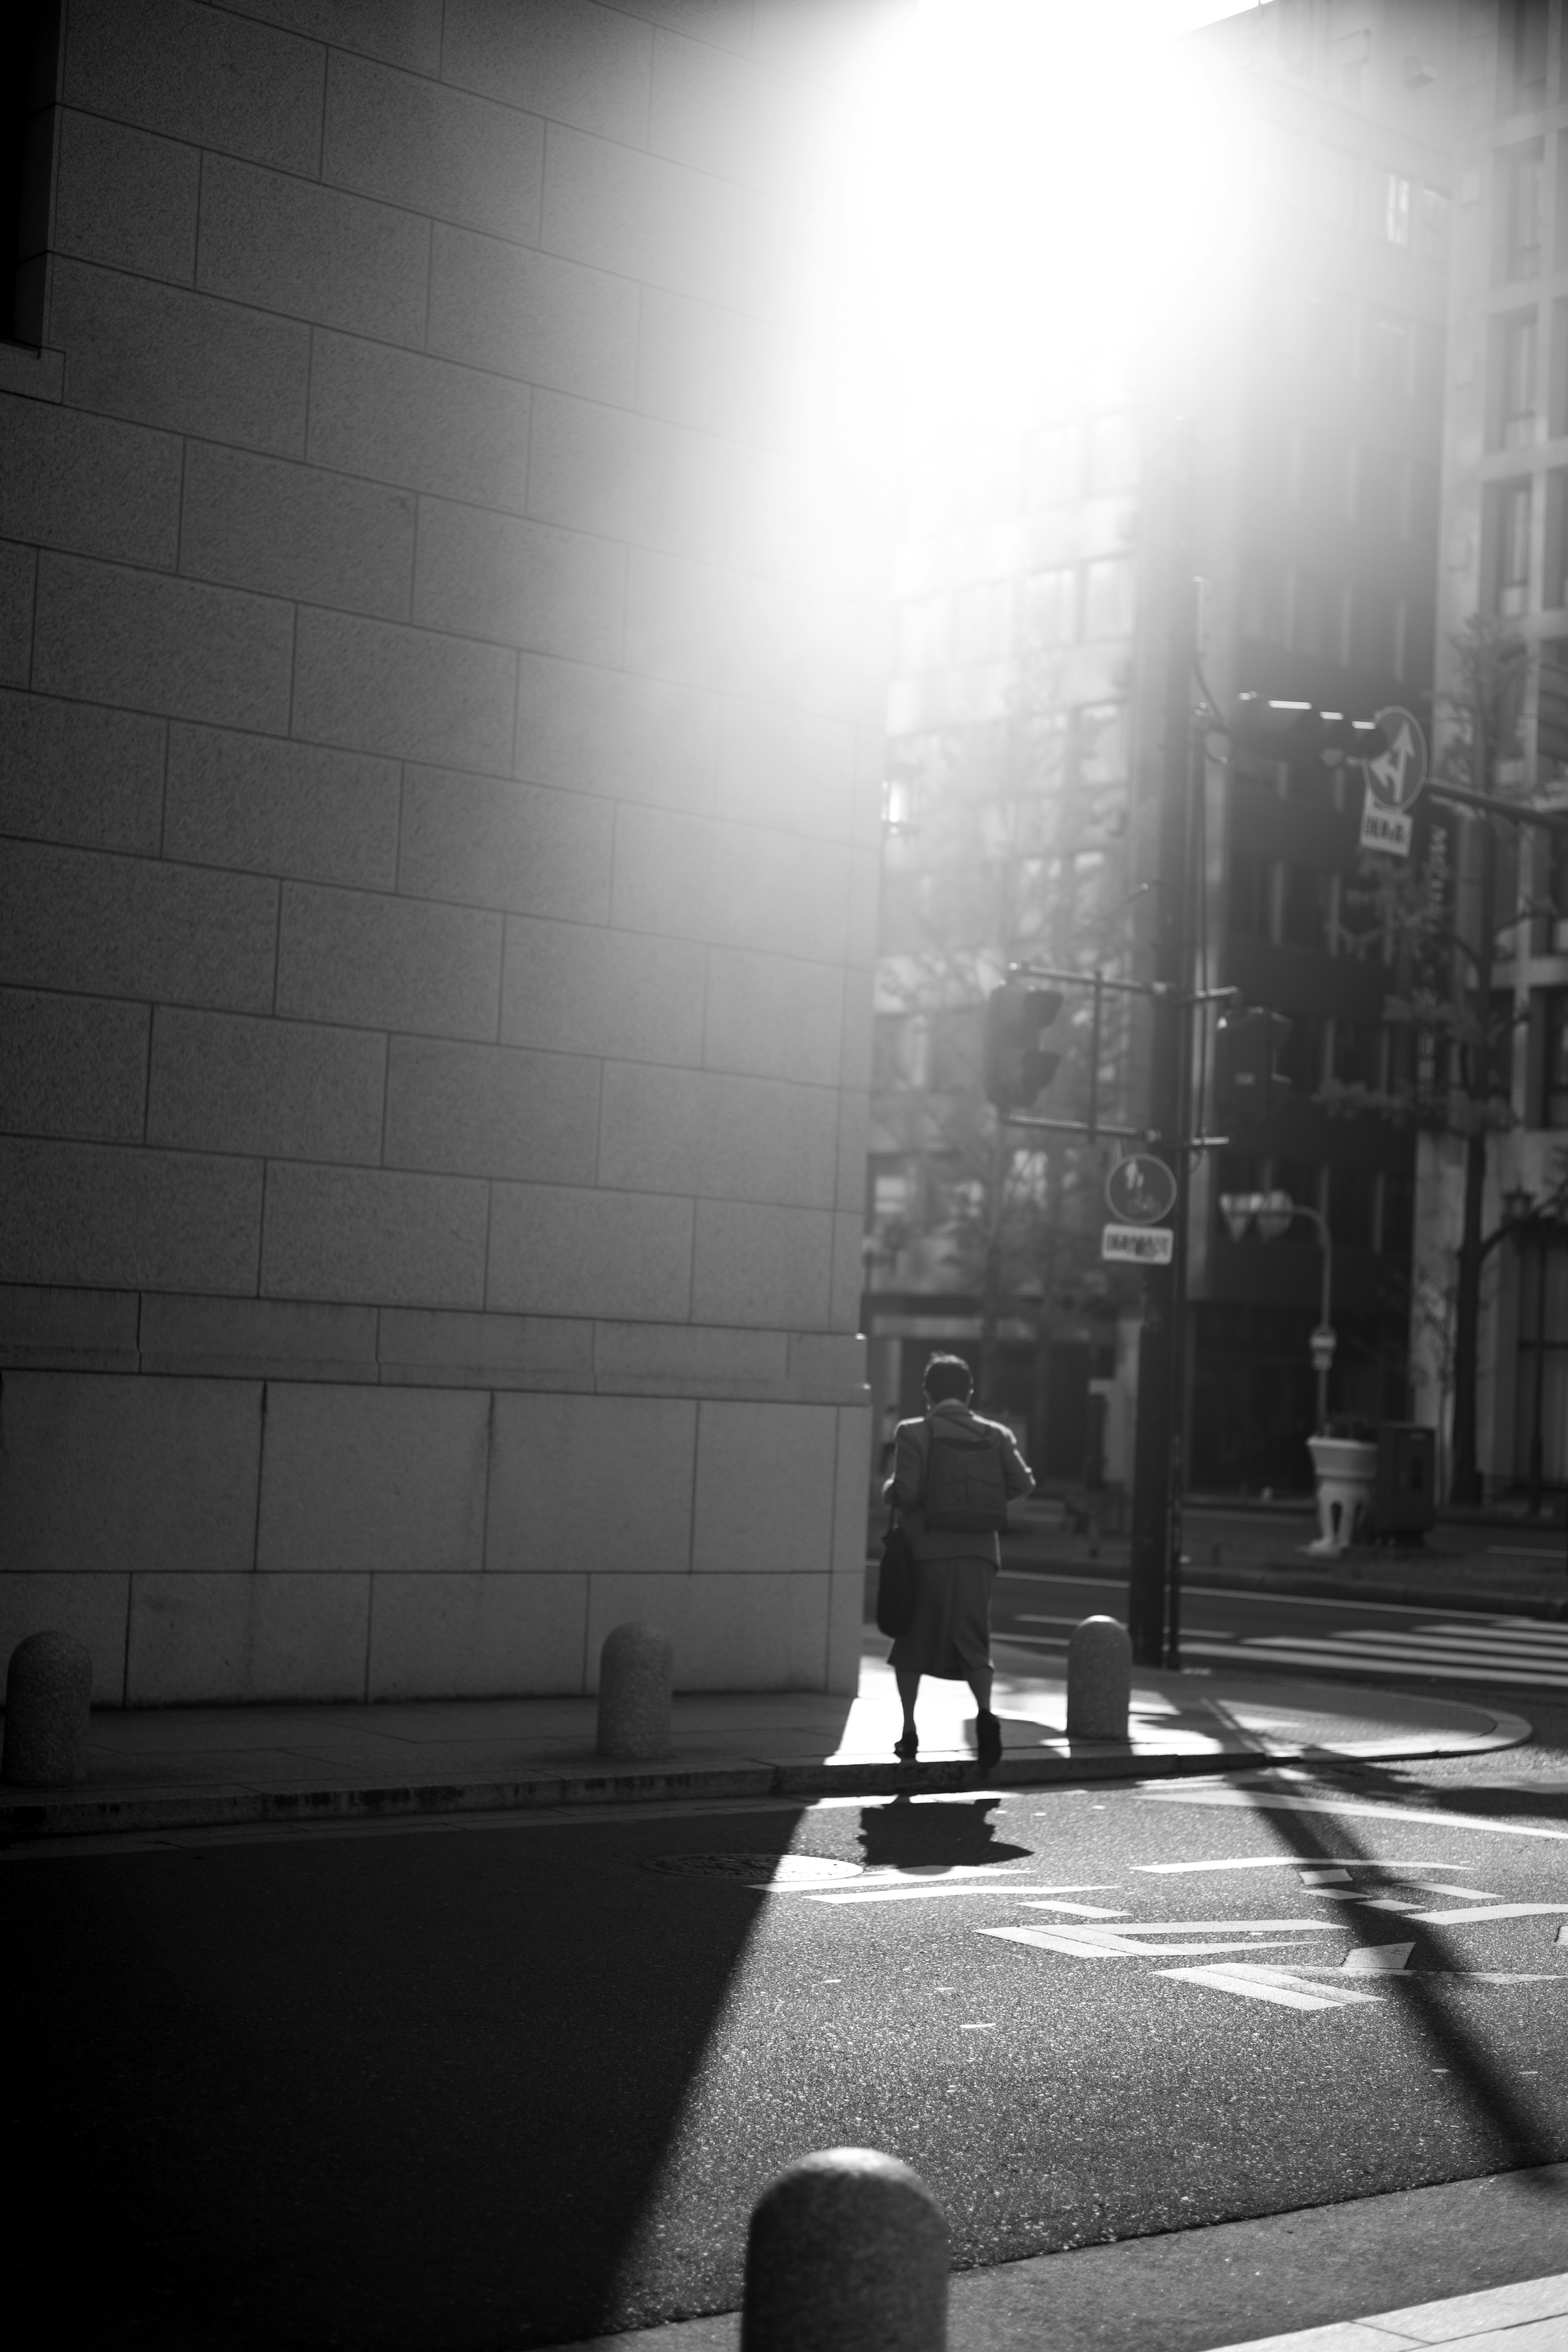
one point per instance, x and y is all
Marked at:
(1039, 183)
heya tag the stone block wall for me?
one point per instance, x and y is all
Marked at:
(440, 707)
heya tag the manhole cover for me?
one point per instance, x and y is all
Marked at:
(751, 1865)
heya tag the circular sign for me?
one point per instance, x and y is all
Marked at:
(1395, 776)
(1140, 1189)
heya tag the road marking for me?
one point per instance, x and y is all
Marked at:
(1487, 1911)
(908, 1876)
(1264, 1983)
(912, 1893)
(1263, 1800)
(1375, 1959)
(1081, 1910)
(1104, 1944)
(1301, 1653)
(1289, 1862)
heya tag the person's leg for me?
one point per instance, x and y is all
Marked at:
(908, 1691)
(980, 1684)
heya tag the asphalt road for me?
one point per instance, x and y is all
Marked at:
(509, 2083)
(1432, 1649)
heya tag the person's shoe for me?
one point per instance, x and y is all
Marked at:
(907, 1748)
(987, 1740)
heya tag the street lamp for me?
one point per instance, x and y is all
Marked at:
(1273, 1213)
(1529, 1222)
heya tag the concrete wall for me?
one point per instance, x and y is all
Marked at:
(438, 757)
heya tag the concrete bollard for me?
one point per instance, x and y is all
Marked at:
(636, 1681)
(847, 2252)
(1100, 1680)
(49, 1691)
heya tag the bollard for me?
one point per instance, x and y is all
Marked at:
(636, 1678)
(48, 1690)
(847, 2252)
(1100, 1680)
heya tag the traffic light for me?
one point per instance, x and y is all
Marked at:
(1018, 1068)
(1277, 729)
(1247, 1087)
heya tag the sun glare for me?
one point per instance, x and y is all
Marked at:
(1041, 196)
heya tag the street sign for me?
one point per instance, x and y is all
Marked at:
(1394, 782)
(1140, 1189)
(1396, 777)
(1138, 1245)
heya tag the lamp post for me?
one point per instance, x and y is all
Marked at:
(1526, 1222)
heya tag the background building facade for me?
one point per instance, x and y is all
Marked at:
(441, 718)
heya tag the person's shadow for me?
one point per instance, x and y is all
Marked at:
(901, 1834)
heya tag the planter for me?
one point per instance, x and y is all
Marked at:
(1346, 1469)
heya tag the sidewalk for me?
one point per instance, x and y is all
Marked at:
(181, 1768)
(1472, 2265)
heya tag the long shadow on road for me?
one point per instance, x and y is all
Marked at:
(1516, 2136)
(391, 2092)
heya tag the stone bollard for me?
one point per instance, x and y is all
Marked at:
(847, 2252)
(48, 1690)
(1100, 1680)
(636, 1680)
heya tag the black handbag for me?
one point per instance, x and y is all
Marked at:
(895, 1581)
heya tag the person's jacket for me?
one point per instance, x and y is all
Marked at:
(906, 1488)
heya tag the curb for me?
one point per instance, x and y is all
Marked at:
(72, 1813)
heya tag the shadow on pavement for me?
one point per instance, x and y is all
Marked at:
(401, 2092)
(1517, 2139)
(902, 1835)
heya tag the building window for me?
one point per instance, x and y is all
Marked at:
(1113, 454)
(1514, 394)
(983, 629)
(1520, 173)
(1524, 82)
(1505, 531)
(924, 632)
(1050, 467)
(1050, 607)
(1395, 221)
(1373, 630)
(1433, 229)
(1307, 905)
(1353, 1207)
(1428, 350)
(1377, 496)
(1102, 744)
(1554, 1093)
(1251, 898)
(1387, 350)
(1263, 602)
(1315, 616)
(1107, 598)
(1358, 1053)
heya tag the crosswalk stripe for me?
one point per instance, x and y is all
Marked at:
(1354, 1659)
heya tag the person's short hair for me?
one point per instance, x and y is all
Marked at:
(949, 1376)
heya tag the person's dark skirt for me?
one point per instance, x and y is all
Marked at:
(949, 1634)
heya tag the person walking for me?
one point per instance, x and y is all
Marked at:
(951, 1453)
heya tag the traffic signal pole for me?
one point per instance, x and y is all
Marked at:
(1153, 1614)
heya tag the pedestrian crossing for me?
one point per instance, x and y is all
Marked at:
(1517, 1650)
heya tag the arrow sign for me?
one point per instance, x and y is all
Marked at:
(1396, 777)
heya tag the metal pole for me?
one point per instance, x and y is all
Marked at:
(1537, 1444)
(1156, 1515)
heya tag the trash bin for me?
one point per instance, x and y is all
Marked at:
(1404, 1493)
(1346, 1473)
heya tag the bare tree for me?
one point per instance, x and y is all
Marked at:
(1008, 849)
(1441, 925)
